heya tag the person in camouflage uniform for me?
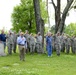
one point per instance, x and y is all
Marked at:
(27, 36)
(75, 44)
(63, 43)
(32, 43)
(15, 41)
(72, 44)
(10, 42)
(58, 43)
(67, 44)
(53, 43)
(39, 43)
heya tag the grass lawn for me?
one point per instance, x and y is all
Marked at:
(38, 65)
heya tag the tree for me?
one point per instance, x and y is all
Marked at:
(23, 16)
(60, 18)
(73, 5)
(57, 14)
(38, 18)
(71, 29)
(62, 22)
(37, 15)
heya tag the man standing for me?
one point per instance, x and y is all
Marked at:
(27, 36)
(15, 42)
(67, 44)
(10, 42)
(39, 43)
(58, 43)
(21, 41)
(73, 44)
(3, 38)
(49, 44)
(2, 43)
(63, 43)
(32, 43)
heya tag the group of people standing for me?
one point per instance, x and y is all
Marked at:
(29, 43)
(8, 39)
(60, 43)
(33, 43)
(26, 42)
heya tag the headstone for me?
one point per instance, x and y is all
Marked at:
(2, 50)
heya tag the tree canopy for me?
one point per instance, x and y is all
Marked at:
(70, 29)
(23, 16)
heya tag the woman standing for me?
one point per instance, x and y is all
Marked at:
(49, 44)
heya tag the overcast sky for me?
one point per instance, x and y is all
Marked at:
(6, 8)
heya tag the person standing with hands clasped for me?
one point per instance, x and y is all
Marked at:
(21, 41)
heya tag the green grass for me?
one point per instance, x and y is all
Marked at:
(38, 65)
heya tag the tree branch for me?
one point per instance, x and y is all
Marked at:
(73, 5)
(68, 1)
(62, 23)
(67, 6)
(53, 4)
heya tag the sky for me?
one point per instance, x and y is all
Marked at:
(6, 8)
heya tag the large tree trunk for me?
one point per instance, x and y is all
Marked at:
(37, 15)
(42, 31)
(57, 14)
(39, 20)
(62, 22)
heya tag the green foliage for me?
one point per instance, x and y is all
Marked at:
(52, 29)
(23, 16)
(70, 29)
(46, 30)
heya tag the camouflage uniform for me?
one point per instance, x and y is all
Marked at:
(67, 44)
(39, 43)
(32, 44)
(27, 36)
(10, 42)
(58, 44)
(73, 44)
(15, 42)
(62, 43)
(53, 44)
